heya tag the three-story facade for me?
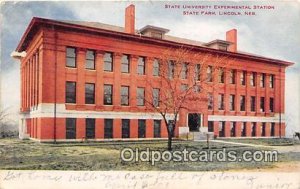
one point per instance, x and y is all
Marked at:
(81, 80)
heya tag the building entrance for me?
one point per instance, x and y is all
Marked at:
(194, 121)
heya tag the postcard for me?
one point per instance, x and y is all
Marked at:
(150, 94)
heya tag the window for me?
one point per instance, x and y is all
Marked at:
(108, 93)
(221, 128)
(272, 129)
(271, 104)
(125, 63)
(197, 89)
(171, 69)
(210, 126)
(232, 129)
(221, 101)
(252, 79)
(156, 35)
(108, 62)
(156, 127)
(263, 129)
(197, 72)
(140, 96)
(184, 71)
(70, 128)
(155, 94)
(253, 129)
(243, 129)
(242, 103)
(221, 75)
(155, 67)
(232, 77)
(71, 57)
(90, 93)
(232, 102)
(70, 92)
(252, 103)
(184, 87)
(125, 128)
(210, 101)
(108, 128)
(243, 78)
(141, 66)
(142, 128)
(209, 74)
(223, 47)
(271, 81)
(262, 80)
(90, 128)
(90, 60)
(262, 104)
(124, 95)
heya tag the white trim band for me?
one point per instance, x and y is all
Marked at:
(274, 119)
(46, 111)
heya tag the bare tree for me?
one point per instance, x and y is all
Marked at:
(185, 77)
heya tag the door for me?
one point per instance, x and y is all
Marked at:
(194, 121)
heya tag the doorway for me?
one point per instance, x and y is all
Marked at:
(194, 122)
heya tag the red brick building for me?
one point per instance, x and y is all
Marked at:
(77, 77)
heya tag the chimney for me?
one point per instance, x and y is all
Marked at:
(130, 19)
(231, 36)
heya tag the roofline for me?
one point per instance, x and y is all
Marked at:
(150, 27)
(36, 20)
(28, 29)
(218, 41)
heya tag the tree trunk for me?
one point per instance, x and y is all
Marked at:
(170, 141)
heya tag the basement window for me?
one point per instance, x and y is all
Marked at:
(125, 128)
(157, 128)
(70, 128)
(141, 128)
(108, 128)
(90, 128)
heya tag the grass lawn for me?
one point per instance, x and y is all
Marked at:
(26, 154)
(266, 141)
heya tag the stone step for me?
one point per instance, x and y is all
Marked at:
(202, 135)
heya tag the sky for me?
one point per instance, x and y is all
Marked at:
(271, 33)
